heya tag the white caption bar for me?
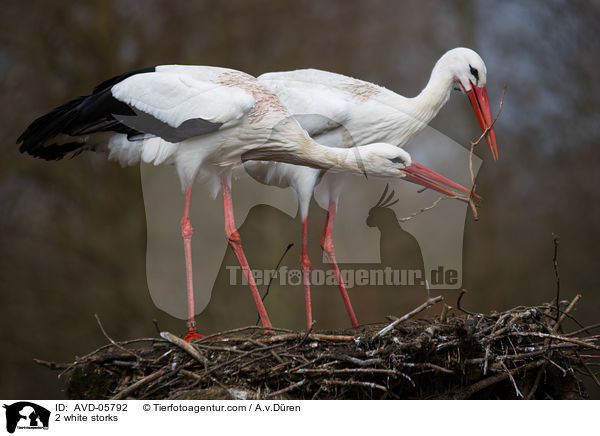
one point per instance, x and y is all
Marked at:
(23, 417)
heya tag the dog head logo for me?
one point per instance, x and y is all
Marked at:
(26, 415)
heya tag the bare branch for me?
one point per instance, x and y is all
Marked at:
(430, 301)
(566, 312)
(112, 341)
(431, 206)
(555, 264)
(186, 346)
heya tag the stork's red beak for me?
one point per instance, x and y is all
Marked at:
(421, 175)
(481, 105)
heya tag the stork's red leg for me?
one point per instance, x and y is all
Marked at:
(305, 264)
(236, 243)
(327, 245)
(186, 232)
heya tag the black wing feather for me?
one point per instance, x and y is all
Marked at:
(101, 112)
(109, 83)
(80, 116)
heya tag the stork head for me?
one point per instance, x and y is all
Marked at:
(382, 160)
(467, 66)
(386, 160)
(470, 73)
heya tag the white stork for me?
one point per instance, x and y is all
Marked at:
(205, 121)
(325, 103)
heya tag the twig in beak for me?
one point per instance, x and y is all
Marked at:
(488, 128)
(473, 144)
(471, 202)
(431, 206)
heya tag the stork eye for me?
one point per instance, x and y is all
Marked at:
(398, 160)
(474, 72)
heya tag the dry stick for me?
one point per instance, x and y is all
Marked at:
(583, 362)
(509, 325)
(278, 358)
(356, 383)
(424, 209)
(444, 313)
(313, 336)
(161, 383)
(473, 185)
(273, 370)
(584, 329)
(459, 299)
(306, 335)
(465, 393)
(500, 319)
(103, 347)
(314, 397)
(156, 326)
(555, 263)
(560, 338)
(355, 360)
(112, 341)
(588, 370)
(571, 317)
(289, 388)
(486, 131)
(560, 368)
(256, 343)
(526, 355)
(271, 277)
(512, 380)
(235, 359)
(473, 144)
(566, 312)
(225, 388)
(186, 346)
(547, 353)
(487, 355)
(189, 373)
(432, 366)
(138, 384)
(348, 371)
(52, 365)
(225, 349)
(302, 365)
(240, 329)
(439, 199)
(430, 301)
(536, 383)
(250, 362)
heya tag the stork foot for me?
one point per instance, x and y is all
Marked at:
(192, 334)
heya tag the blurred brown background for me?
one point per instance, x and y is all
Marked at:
(72, 233)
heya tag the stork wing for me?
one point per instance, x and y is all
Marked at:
(171, 102)
(179, 102)
(317, 107)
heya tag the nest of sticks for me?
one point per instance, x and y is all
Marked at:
(519, 353)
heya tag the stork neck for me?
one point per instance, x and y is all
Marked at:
(431, 99)
(300, 149)
(310, 153)
(334, 158)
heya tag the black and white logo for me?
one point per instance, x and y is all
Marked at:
(26, 415)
